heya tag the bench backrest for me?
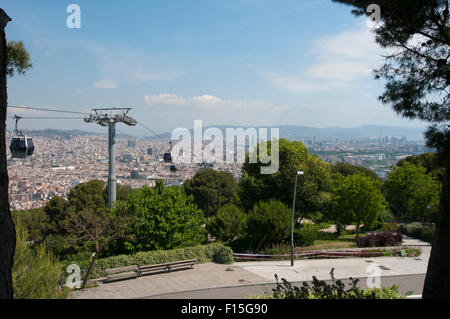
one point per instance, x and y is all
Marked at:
(122, 269)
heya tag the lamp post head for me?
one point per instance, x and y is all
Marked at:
(300, 173)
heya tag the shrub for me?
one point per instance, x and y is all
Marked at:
(269, 221)
(305, 236)
(336, 290)
(213, 252)
(229, 223)
(391, 226)
(420, 231)
(383, 239)
(278, 249)
(36, 272)
(320, 235)
(224, 255)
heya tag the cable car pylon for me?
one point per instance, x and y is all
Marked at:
(108, 119)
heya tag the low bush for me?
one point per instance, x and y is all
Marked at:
(278, 249)
(336, 290)
(391, 226)
(305, 236)
(213, 252)
(420, 231)
(383, 239)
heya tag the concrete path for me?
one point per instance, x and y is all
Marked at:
(240, 278)
(203, 276)
(406, 284)
(344, 268)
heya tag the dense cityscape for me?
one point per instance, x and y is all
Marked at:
(61, 162)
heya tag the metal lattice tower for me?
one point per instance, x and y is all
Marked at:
(101, 117)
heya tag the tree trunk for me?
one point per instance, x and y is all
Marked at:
(260, 243)
(91, 266)
(7, 229)
(357, 230)
(437, 281)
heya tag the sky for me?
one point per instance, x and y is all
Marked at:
(261, 63)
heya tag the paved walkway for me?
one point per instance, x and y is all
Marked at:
(210, 276)
(203, 276)
(344, 268)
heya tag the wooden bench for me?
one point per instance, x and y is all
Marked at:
(122, 273)
(166, 267)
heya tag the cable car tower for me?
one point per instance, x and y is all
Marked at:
(109, 117)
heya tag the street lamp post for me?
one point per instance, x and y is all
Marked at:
(292, 218)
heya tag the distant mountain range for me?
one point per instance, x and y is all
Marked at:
(289, 132)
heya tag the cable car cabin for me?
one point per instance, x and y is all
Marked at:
(21, 146)
(173, 169)
(167, 158)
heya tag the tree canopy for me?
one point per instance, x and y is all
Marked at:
(229, 223)
(18, 60)
(269, 220)
(432, 163)
(348, 169)
(357, 199)
(211, 190)
(293, 157)
(166, 218)
(412, 193)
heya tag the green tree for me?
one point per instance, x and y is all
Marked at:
(166, 218)
(229, 223)
(97, 228)
(357, 199)
(211, 190)
(413, 193)
(417, 75)
(269, 221)
(348, 169)
(431, 161)
(36, 272)
(18, 60)
(35, 221)
(293, 157)
(88, 195)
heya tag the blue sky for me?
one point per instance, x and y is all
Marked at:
(226, 62)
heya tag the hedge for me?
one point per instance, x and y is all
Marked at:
(217, 253)
(383, 239)
(420, 231)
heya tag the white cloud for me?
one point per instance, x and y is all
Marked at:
(207, 101)
(165, 99)
(106, 84)
(341, 61)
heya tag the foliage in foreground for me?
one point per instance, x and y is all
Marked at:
(319, 289)
(36, 272)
